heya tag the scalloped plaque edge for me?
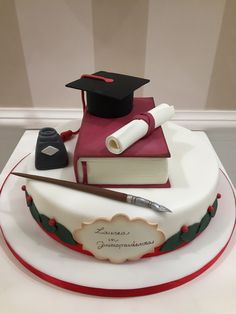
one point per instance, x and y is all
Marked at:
(160, 234)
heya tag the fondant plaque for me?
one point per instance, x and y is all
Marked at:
(120, 238)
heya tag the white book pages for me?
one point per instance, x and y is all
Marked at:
(142, 170)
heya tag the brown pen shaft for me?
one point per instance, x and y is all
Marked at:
(77, 186)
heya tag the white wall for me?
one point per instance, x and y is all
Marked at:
(57, 41)
(180, 45)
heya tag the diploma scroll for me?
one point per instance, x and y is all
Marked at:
(130, 133)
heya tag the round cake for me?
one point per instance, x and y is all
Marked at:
(118, 231)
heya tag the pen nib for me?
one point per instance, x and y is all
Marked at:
(160, 208)
(143, 202)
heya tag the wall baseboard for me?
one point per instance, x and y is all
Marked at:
(205, 119)
(35, 118)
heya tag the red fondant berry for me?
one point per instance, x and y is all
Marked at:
(211, 209)
(23, 188)
(184, 229)
(29, 199)
(218, 195)
(52, 222)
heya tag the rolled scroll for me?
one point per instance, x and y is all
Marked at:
(130, 133)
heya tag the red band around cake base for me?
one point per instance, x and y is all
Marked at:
(115, 292)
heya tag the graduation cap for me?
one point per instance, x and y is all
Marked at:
(109, 95)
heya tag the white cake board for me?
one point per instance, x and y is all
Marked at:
(74, 271)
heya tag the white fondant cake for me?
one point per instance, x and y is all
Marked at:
(193, 174)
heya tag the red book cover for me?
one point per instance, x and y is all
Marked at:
(94, 130)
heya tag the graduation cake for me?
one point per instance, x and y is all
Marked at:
(130, 185)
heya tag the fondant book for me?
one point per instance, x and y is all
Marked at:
(142, 164)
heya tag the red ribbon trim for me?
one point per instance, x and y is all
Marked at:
(6, 178)
(115, 292)
(84, 169)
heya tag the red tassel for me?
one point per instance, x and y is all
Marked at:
(65, 136)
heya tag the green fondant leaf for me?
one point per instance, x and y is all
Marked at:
(26, 195)
(172, 243)
(34, 212)
(191, 234)
(45, 224)
(204, 222)
(215, 205)
(64, 234)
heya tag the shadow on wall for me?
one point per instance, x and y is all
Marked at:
(223, 141)
(9, 137)
(14, 82)
(120, 37)
(222, 91)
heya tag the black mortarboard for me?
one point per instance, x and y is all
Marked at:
(109, 95)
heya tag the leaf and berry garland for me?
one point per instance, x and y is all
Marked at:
(188, 233)
(50, 225)
(185, 235)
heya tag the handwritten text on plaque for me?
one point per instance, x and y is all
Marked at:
(120, 238)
